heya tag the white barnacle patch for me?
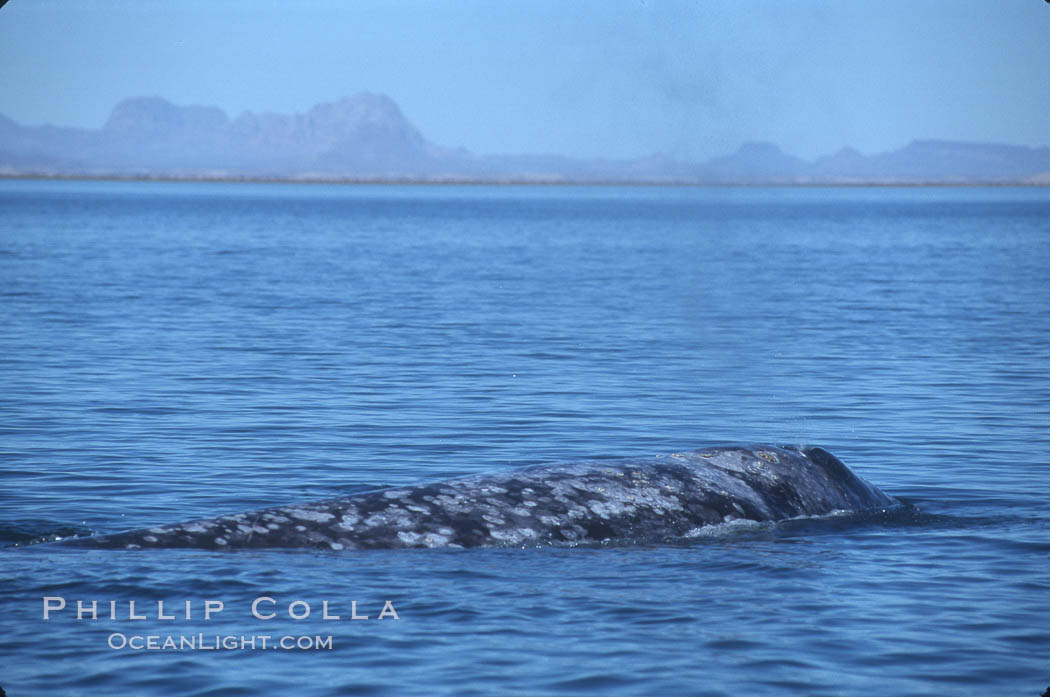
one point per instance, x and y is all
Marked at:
(195, 527)
(451, 504)
(446, 531)
(277, 518)
(260, 529)
(494, 519)
(159, 531)
(571, 533)
(530, 504)
(273, 526)
(655, 500)
(521, 511)
(418, 509)
(150, 538)
(396, 494)
(507, 535)
(220, 541)
(409, 538)
(393, 517)
(434, 540)
(312, 516)
(549, 521)
(300, 528)
(335, 545)
(577, 511)
(755, 467)
(348, 521)
(603, 509)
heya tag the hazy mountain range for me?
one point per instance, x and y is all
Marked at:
(366, 137)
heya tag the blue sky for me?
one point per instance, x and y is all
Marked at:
(616, 78)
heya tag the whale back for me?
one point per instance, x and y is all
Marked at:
(585, 502)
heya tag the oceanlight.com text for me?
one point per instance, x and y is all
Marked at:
(217, 642)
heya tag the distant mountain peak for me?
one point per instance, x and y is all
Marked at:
(755, 160)
(360, 115)
(759, 148)
(364, 105)
(847, 152)
(156, 114)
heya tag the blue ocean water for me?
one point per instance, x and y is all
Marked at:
(177, 350)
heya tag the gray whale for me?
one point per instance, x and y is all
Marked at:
(587, 502)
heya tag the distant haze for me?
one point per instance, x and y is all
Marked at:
(589, 79)
(367, 137)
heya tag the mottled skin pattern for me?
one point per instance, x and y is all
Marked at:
(587, 502)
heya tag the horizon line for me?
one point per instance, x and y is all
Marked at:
(552, 183)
